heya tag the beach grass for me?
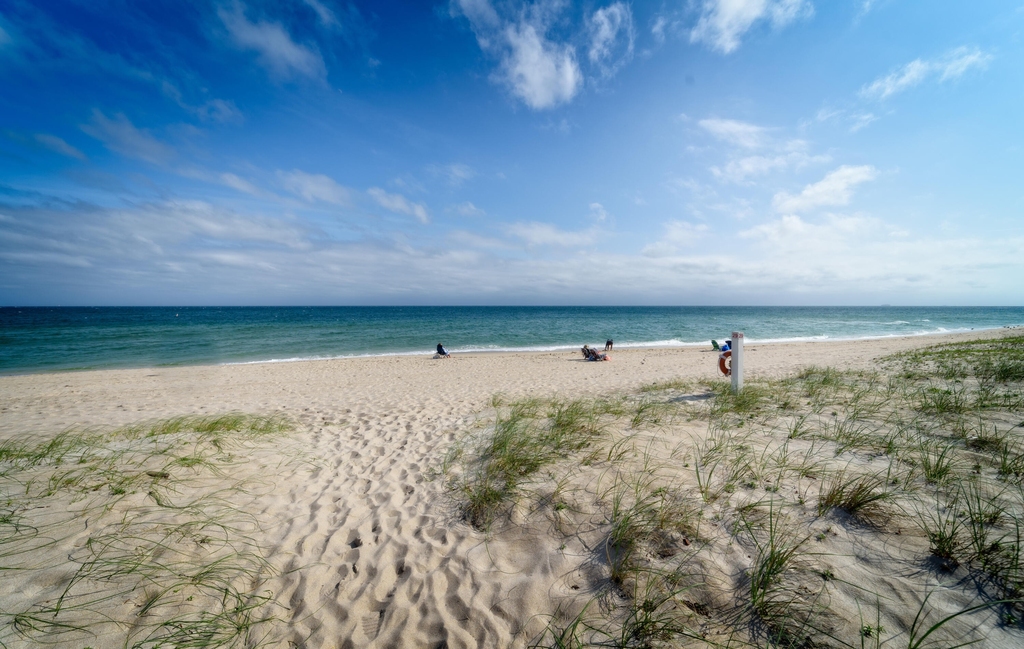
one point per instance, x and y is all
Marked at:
(786, 617)
(526, 436)
(861, 496)
(789, 468)
(169, 556)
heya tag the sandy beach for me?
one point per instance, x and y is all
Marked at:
(412, 388)
(361, 535)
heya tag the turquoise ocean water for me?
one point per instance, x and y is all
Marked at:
(49, 339)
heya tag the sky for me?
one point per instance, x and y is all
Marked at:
(464, 152)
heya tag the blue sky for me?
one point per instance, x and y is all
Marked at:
(491, 152)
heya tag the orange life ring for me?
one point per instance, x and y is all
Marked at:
(722, 367)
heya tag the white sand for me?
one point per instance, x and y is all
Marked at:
(422, 392)
(368, 548)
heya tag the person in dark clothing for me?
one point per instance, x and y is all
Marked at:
(608, 344)
(595, 356)
(442, 352)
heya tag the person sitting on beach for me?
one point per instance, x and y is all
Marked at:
(442, 352)
(595, 356)
(609, 344)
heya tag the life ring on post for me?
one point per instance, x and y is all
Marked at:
(723, 367)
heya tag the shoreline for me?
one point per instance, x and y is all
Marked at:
(51, 401)
(657, 345)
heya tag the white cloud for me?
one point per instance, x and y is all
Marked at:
(743, 169)
(468, 209)
(866, 5)
(538, 71)
(544, 234)
(277, 52)
(598, 213)
(326, 16)
(240, 184)
(787, 227)
(826, 114)
(466, 239)
(738, 171)
(834, 236)
(953, 65)
(57, 145)
(120, 135)
(233, 181)
(606, 26)
(960, 60)
(907, 76)
(5, 38)
(216, 110)
(399, 204)
(836, 188)
(658, 29)
(843, 250)
(541, 73)
(195, 218)
(193, 251)
(683, 232)
(781, 154)
(146, 236)
(748, 136)
(860, 120)
(314, 187)
(677, 234)
(480, 13)
(723, 23)
(856, 120)
(455, 174)
(659, 249)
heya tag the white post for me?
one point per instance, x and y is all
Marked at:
(737, 361)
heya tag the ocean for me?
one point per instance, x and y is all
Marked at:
(43, 339)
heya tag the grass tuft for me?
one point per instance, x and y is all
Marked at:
(861, 496)
(644, 516)
(751, 399)
(938, 462)
(517, 448)
(943, 529)
(787, 615)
